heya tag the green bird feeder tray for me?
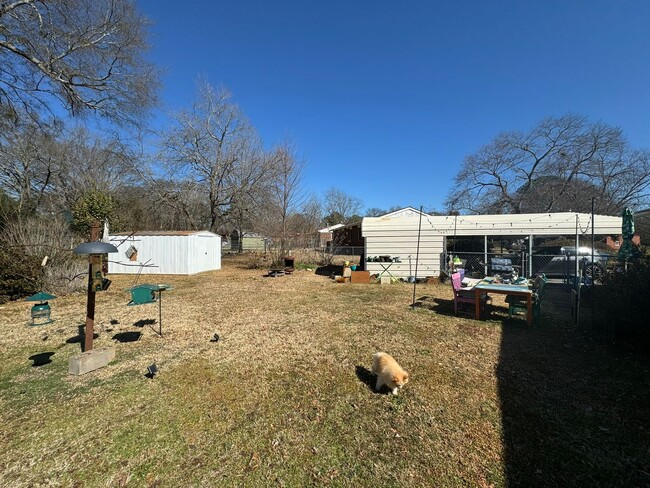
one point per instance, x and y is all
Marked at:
(146, 293)
(41, 311)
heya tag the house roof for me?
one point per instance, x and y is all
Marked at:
(331, 228)
(403, 211)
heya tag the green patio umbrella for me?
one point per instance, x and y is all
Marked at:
(628, 250)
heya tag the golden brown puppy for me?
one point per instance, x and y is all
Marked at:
(388, 372)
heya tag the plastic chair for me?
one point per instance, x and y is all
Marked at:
(465, 296)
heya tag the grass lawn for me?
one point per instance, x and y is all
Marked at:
(284, 397)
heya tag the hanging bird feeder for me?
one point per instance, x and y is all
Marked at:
(41, 311)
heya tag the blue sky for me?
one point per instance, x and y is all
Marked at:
(384, 99)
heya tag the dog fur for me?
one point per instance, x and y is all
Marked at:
(388, 372)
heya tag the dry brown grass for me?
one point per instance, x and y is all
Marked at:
(282, 398)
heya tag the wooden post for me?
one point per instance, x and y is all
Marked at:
(90, 303)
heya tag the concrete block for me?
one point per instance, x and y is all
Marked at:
(385, 280)
(91, 360)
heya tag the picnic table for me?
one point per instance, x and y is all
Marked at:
(489, 285)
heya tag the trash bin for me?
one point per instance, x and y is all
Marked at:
(289, 262)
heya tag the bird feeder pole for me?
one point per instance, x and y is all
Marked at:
(90, 303)
(96, 281)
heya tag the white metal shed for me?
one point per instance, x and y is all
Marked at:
(165, 252)
(396, 234)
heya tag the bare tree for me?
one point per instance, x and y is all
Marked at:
(85, 55)
(86, 161)
(287, 194)
(214, 150)
(378, 212)
(338, 205)
(44, 168)
(312, 212)
(375, 212)
(26, 164)
(557, 166)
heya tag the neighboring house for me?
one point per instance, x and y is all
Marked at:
(165, 252)
(641, 219)
(347, 240)
(406, 233)
(348, 235)
(250, 241)
(614, 243)
(326, 235)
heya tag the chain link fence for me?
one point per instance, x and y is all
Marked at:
(344, 250)
(559, 267)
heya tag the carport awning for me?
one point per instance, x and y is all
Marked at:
(565, 223)
(561, 223)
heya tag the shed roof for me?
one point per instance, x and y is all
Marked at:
(163, 233)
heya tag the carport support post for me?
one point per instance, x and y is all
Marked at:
(577, 270)
(90, 303)
(530, 256)
(485, 256)
(593, 250)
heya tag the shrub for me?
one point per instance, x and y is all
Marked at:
(25, 244)
(257, 260)
(19, 274)
(622, 313)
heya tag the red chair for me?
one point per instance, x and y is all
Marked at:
(462, 296)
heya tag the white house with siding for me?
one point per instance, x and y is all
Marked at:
(165, 252)
(396, 235)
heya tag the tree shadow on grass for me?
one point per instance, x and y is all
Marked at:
(41, 359)
(573, 412)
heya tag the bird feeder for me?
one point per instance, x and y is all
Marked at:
(98, 265)
(41, 311)
(146, 293)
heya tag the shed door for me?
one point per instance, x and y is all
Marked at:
(206, 250)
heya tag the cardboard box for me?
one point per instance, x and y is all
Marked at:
(360, 277)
